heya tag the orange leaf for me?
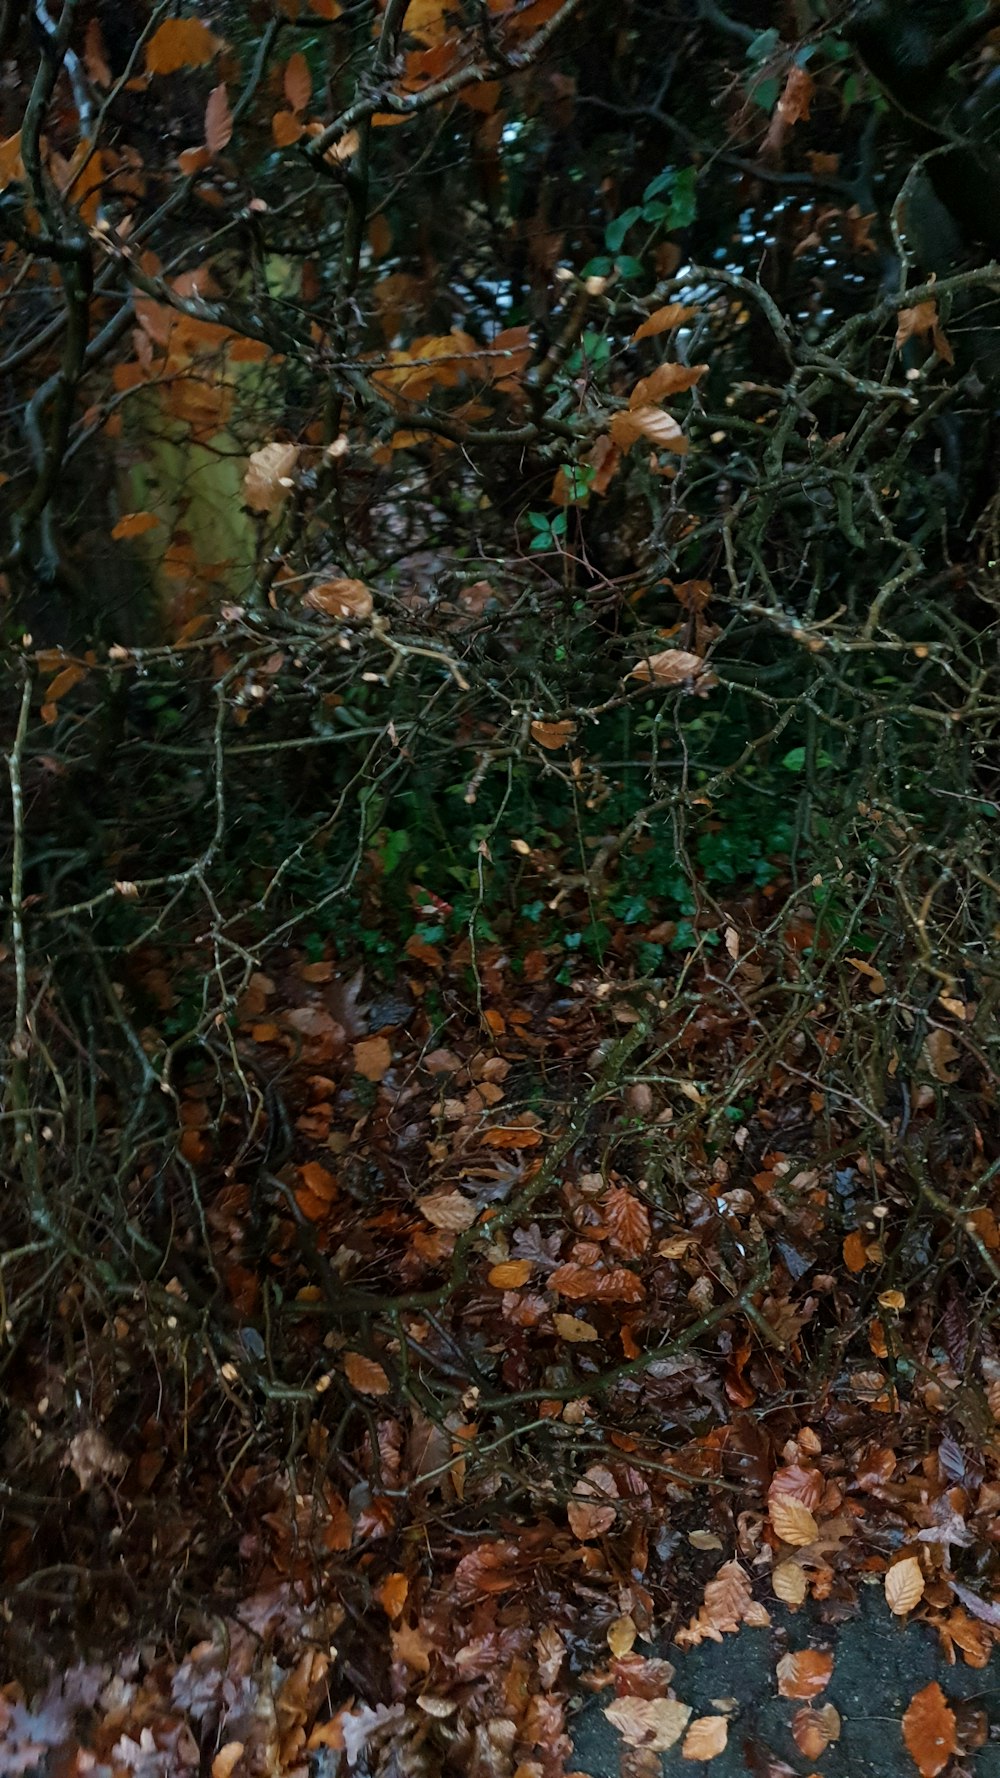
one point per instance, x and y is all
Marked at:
(373, 1057)
(343, 599)
(318, 1181)
(553, 735)
(805, 1673)
(666, 379)
(94, 58)
(855, 1256)
(815, 1729)
(672, 666)
(392, 1594)
(218, 120)
(365, 1375)
(510, 1274)
(512, 1136)
(180, 43)
(706, 1738)
(448, 1210)
(64, 682)
(571, 1328)
(226, 1758)
(929, 1731)
(297, 82)
(662, 320)
(286, 128)
(133, 524)
(647, 422)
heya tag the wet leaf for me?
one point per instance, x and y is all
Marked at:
(365, 1375)
(653, 1723)
(510, 1274)
(805, 1673)
(706, 1738)
(929, 1731)
(448, 1210)
(373, 1058)
(792, 1520)
(815, 1729)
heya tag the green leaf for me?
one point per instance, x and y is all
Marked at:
(684, 204)
(616, 231)
(795, 759)
(763, 46)
(627, 267)
(766, 93)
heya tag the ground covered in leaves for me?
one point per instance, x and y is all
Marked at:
(494, 1357)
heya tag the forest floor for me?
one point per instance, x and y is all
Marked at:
(527, 1335)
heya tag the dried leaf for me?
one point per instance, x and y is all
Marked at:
(133, 524)
(793, 106)
(621, 1637)
(805, 1673)
(706, 1738)
(569, 1327)
(918, 322)
(627, 1219)
(666, 379)
(618, 1285)
(267, 471)
(672, 666)
(855, 1251)
(373, 1058)
(365, 1375)
(180, 43)
(218, 121)
(815, 1729)
(728, 1604)
(448, 1210)
(297, 82)
(553, 735)
(226, 1758)
(929, 1731)
(64, 682)
(343, 599)
(653, 1723)
(392, 1594)
(510, 1274)
(939, 1052)
(286, 128)
(590, 1511)
(904, 1586)
(789, 1583)
(792, 1520)
(662, 320)
(647, 422)
(512, 1136)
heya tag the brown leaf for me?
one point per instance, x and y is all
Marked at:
(591, 1511)
(939, 1052)
(627, 1219)
(904, 1586)
(218, 121)
(584, 1285)
(553, 735)
(805, 1673)
(647, 422)
(343, 599)
(297, 82)
(365, 1375)
(512, 1136)
(64, 682)
(666, 379)
(652, 1723)
(94, 57)
(373, 1058)
(286, 128)
(226, 1758)
(728, 1604)
(267, 470)
(448, 1210)
(920, 320)
(662, 320)
(798, 1483)
(929, 1731)
(706, 1738)
(90, 1456)
(672, 666)
(855, 1251)
(815, 1729)
(180, 43)
(793, 106)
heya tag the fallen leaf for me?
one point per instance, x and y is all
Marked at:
(621, 1637)
(393, 1593)
(133, 524)
(590, 1511)
(653, 1723)
(627, 1219)
(855, 1251)
(929, 1731)
(706, 1738)
(569, 1327)
(512, 1136)
(365, 1375)
(343, 599)
(804, 1673)
(226, 1759)
(553, 735)
(510, 1274)
(939, 1051)
(672, 666)
(267, 470)
(904, 1586)
(815, 1729)
(218, 121)
(180, 43)
(372, 1058)
(448, 1210)
(789, 1583)
(792, 1520)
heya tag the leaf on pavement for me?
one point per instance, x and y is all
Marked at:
(804, 1673)
(652, 1723)
(929, 1731)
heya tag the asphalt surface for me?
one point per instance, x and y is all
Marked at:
(879, 1663)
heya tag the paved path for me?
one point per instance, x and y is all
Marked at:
(879, 1662)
